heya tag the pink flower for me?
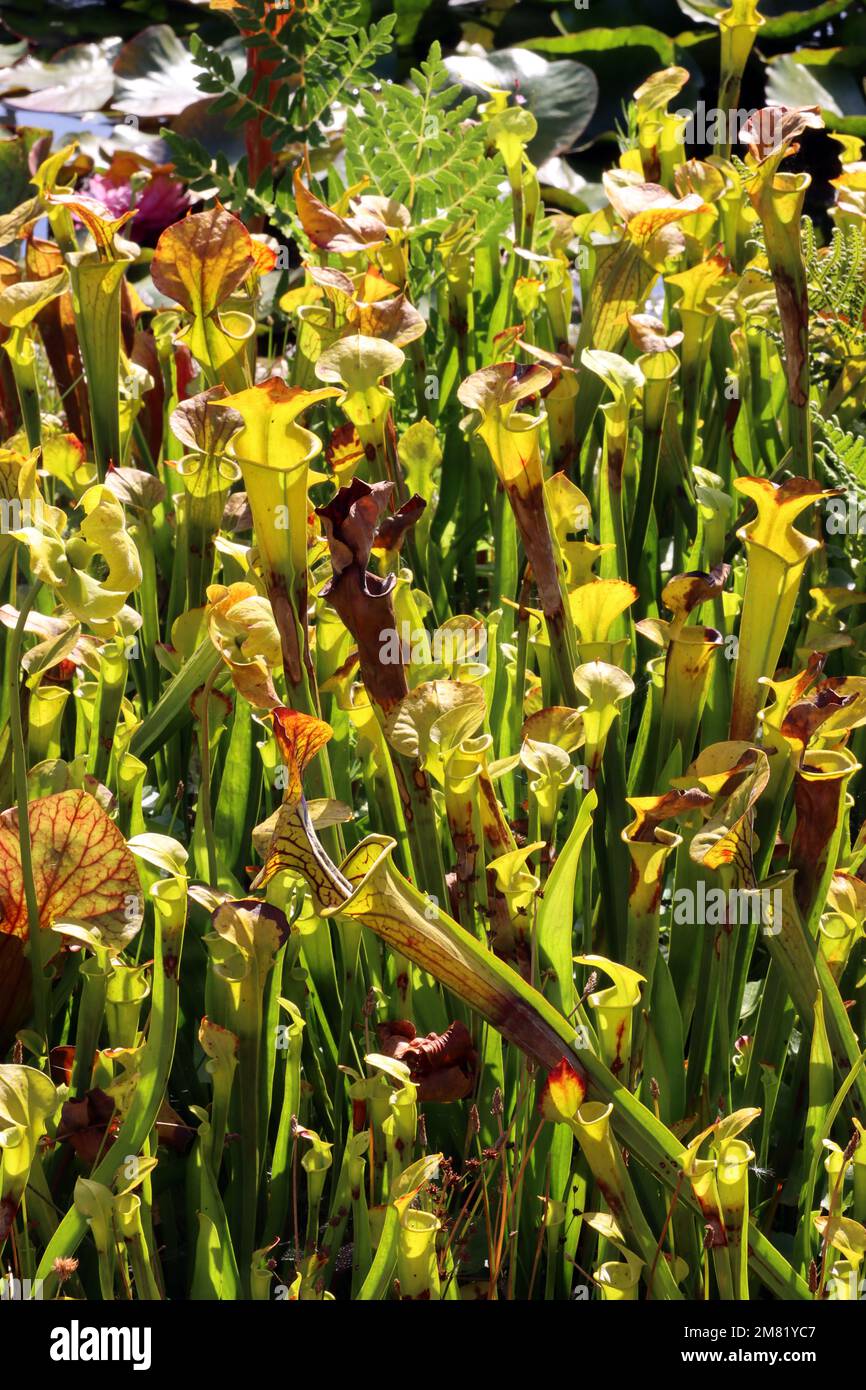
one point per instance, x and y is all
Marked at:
(162, 201)
(118, 198)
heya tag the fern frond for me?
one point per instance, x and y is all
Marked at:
(323, 58)
(836, 276)
(841, 452)
(418, 145)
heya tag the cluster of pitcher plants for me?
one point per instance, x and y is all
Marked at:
(432, 733)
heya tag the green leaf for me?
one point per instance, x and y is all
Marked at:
(172, 709)
(665, 1045)
(783, 26)
(554, 925)
(604, 40)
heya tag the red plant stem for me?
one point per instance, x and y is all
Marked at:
(259, 148)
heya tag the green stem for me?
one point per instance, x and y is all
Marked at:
(206, 807)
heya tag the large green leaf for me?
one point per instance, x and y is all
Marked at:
(156, 74)
(561, 95)
(832, 87)
(77, 79)
(604, 40)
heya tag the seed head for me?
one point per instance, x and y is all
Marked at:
(64, 1267)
